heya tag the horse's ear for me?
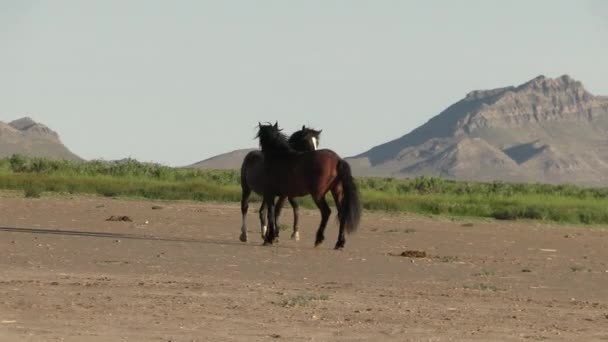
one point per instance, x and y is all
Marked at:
(303, 127)
(259, 125)
(319, 131)
(276, 124)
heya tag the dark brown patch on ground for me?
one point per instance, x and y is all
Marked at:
(119, 219)
(411, 254)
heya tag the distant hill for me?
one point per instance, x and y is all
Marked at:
(28, 137)
(545, 130)
(226, 161)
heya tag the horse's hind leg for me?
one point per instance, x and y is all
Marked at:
(262, 213)
(336, 192)
(325, 212)
(294, 204)
(244, 207)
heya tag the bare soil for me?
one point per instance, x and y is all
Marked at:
(67, 274)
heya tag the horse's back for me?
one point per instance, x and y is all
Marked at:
(302, 173)
(252, 171)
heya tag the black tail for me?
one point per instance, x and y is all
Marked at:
(349, 212)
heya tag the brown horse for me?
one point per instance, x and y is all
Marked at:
(295, 174)
(252, 179)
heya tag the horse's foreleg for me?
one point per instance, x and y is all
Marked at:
(270, 235)
(325, 212)
(262, 213)
(278, 208)
(294, 204)
(244, 207)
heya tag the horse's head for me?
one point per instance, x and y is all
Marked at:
(306, 139)
(271, 138)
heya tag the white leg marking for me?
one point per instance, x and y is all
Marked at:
(264, 229)
(314, 143)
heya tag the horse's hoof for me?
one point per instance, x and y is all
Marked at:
(295, 236)
(267, 243)
(339, 247)
(243, 237)
(318, 242)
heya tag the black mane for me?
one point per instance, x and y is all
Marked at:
(273, 141)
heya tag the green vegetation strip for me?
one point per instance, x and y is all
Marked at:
(424, 195)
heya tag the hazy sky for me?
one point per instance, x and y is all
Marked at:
(180, 81)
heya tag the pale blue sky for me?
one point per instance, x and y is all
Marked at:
(179, 81)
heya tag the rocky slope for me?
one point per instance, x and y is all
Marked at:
(546, 130)
(226, 161)
(28, 137)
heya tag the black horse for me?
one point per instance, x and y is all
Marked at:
(253, 179)
(294, 174)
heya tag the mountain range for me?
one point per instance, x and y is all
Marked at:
(549, 130)
(545, 130)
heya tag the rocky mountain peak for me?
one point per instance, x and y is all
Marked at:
(541, 99)
(545, 129)
(28, 137)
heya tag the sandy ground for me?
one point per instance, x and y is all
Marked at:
(67, 274)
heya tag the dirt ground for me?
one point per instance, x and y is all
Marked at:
(67, 274)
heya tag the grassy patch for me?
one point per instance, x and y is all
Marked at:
(32, 190)
(577, 268)
(422, 195)
(447, 258)
(484, 273)
(303, 300)
(482, 287)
